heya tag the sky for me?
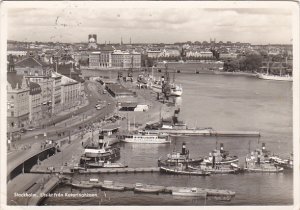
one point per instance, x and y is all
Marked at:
(164, 24)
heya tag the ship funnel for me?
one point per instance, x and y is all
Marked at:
(183, 151)
(221, 147)
(263, 145)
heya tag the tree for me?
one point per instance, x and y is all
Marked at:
(251, 62)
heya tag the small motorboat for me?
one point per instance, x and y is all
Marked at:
(82, 185)
(109, 185)
(141, 188)
(190, 192)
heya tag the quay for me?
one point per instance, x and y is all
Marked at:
(206, 132)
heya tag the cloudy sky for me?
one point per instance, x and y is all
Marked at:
(151, 25)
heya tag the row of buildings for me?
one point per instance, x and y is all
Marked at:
(37, 91)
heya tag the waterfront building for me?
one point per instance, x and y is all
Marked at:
(71, 92)
(126, 60)
(35, 103)
(94, 60)
(17, 99)
(106, 56)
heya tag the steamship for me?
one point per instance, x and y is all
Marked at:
(220, 157)
(260, 161)
(176, 157)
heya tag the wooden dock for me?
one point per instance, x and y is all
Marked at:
(119, 170)
(70, 170)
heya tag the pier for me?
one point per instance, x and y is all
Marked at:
(41, 169)
(206, 132)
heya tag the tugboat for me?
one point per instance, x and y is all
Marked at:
(258, 161)
(220, 157)
(176, 157)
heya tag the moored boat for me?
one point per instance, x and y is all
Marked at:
(181, 171)
(275, 77)
(263, 168)
(259, 161)
(179, 157)
(189, 192)
(144, 137)
(109, 185)
(139, 187)
(220, 157)
(82, 185)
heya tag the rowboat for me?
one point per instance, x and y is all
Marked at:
(139, 187)
(109, 185)
(82, 185)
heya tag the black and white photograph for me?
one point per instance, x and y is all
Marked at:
(150, 103)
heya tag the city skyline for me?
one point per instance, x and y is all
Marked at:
(151, 25)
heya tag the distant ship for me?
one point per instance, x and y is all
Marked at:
(158, 85)
(275, 77)
(280, 77)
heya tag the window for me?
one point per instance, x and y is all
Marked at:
(12, 97)
(12, 114)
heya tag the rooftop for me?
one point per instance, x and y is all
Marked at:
(30, 62)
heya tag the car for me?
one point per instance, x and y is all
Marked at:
(23, 130)
(30, 128)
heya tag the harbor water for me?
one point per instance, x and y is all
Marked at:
(228, 103)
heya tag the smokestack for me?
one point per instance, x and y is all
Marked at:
(221, 147)
(213, 161)
(183, 151)
(263, 147)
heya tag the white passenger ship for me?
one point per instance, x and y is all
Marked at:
(147, 138)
